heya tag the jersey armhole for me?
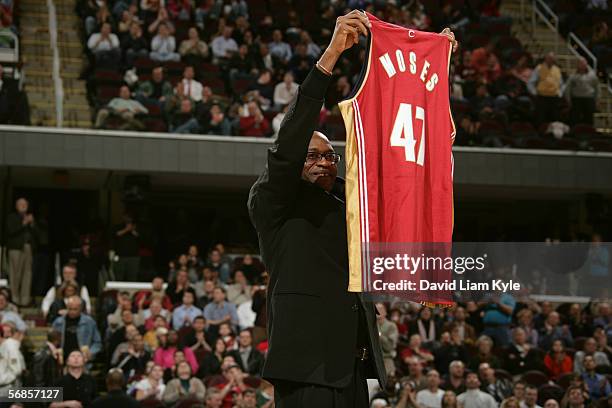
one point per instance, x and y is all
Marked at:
(450, 90)
(363, 74)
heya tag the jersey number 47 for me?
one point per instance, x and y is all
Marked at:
(402, 134)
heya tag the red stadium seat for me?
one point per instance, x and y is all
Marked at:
(155, 125)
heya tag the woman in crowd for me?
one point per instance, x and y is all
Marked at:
(211, 364)
(449, 400)
(557, 361)
(185, 385)
(58, 307)
(152, 386)
(168, 345)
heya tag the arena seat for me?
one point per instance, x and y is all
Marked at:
(548, 391)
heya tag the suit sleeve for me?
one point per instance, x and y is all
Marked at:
(275, 190)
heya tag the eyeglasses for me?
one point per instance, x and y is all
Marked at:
(314, 157)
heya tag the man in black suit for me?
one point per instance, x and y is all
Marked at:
(249, 358)
(323, 340)
(21, 239)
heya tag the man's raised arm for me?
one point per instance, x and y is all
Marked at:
(276, 188)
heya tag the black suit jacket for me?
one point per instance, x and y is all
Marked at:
(254, 362)
(312, 318)
(16, 232)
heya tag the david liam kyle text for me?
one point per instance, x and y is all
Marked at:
(495, 285)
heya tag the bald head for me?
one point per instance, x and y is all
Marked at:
(320, 166)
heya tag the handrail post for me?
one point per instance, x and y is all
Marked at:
(533, 17)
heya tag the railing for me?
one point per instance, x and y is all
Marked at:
(57, 79)
(574, 42)
(547, 16)
(9, 54)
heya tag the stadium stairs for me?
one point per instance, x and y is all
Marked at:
(543, 40)
(38, 63)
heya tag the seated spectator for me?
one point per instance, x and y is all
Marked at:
(124, 303)
(263, 89)
(95, 22)
(224, 46)
(557, 361)
(226, 333)
(248, 358)
(79, 387)
(497, 319)
(119, 340)
(466, 332)
(279, 48)
(263, 60)
(581, 91)
(473, 397)
(196, 338)
(545, 84)
(485, 62)
(144, 298)
(415, 373)
(232, 383)
(455, 379)
(12, 363)
(133, 362)
(163, 45)
(217, 123)
(134, 45)
(597, 384)
(186, 312)
(58, 307)
(69, 273)
(253, 122)
(184, 120)
(162, 18)
(116, 397)
(426, 326)
(312, 49)
(149, 315)
(191, 88)
(574, 397)
(432, 395)
(184, 386)
(239, 291)
(176, 289)
(7, 315)
(241, 64)
(522, 70)
(152, 386)
(484, 354)
(125, 108)
(48, 362)
(211, 364)
(520, 356)
(192, 49)
(589, 349)
(79, 331)
(499, 388)
(168, 345)
(129, 16)
(105, 47)
(553, 331)
(221, 265)
(451, 348)
(285, 91)
(213, 398)
(219, 311)
(156, 90)
(205, 292)
(300, 63)
(160, 327)
(525, 322)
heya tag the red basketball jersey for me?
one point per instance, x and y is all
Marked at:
(400, 132)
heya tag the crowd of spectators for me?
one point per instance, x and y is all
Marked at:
(239, 65)
(197, 336)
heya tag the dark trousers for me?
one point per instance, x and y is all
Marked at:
(582, 110)
(547, 108)
(289, 394)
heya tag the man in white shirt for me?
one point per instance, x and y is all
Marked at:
(69, 273)
(285, 91)
(224, 45)
(105, 46)
(431, 397)
(191, 87)
(163, 45)
(473, 397)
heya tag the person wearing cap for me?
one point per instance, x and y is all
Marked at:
(116, 397)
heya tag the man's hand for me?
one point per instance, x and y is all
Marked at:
(346, 34)
(451, 37)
